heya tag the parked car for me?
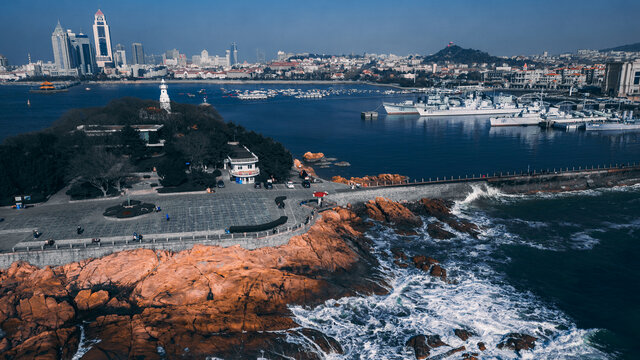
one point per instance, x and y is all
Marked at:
(257, 185)
(290, 185)
(268, 185)
(306, 184)
(220, 184)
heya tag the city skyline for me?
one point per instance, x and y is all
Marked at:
(407, 27)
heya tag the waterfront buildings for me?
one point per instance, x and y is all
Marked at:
(242, 164)
(622, 79)
(137, 54)
(4, 63)
(165, 103)
(102, 40)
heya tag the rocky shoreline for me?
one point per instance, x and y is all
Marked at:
(224, 302)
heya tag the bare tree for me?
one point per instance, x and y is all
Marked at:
(101, 169)
(195, 147)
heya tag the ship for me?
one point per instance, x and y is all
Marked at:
(613, 126)
(404, 108)
(469, 107)
(530, 115)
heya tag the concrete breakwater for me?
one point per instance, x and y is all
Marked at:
(551, 180)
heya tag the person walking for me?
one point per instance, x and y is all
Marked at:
(167, 217)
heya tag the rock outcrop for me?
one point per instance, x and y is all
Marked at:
(312, 157)
(392, 213)
(441, 210)
(207, 301)
(369, 180)
(300, 166)
(517, 342)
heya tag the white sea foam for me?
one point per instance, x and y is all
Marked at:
(377, 327)
(84, 345)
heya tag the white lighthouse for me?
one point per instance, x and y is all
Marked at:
(165, 103)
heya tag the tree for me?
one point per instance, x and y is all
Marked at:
(131, 143)
(172, 171)
(194, 146)
(101, 169)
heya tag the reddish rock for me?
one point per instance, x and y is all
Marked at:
(423, 262)
(419, 345)
(86, 300)
(438, 271)
(391, 212)
(453, 351)
(309, 156)
(208, 299)
(45, 311)
(464, 335)
(372, 180)
(434, 341)
(436, 231)
(470, 356)
(517, 342)
(435, 207)
(481, 346)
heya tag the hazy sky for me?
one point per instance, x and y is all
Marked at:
(332, 27)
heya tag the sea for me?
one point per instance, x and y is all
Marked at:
(561, 267)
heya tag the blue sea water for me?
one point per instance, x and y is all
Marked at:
(561, 267)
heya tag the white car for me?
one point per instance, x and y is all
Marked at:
(289, 184)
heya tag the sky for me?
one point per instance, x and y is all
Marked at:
(400, 27)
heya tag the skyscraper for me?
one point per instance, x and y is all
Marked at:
(83, 55)
(234, 53)
(120, 56)
(61, 50)
(102, 39)
(137, 54)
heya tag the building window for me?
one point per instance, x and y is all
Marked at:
(636, 78)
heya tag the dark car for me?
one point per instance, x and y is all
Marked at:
(220, 183)
(268, 185)
(306, 183)
(257, 185)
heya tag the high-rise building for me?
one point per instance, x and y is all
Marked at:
(3, 61)
(137, 54)
(120, 56)
(102, 39)
(228, 57)
(234, 53)
(61, 50)
(83, 54)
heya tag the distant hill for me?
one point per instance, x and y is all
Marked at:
(456, 54)
(630, 47)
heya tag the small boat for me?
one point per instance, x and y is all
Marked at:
(28, 103)
(191, 95)
(87, 89)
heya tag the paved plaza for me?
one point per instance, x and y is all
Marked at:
(189, 213)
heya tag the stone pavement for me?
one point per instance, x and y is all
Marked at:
(191, 213)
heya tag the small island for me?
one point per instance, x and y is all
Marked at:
(100, 152)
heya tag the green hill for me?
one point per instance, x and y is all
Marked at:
(459, 55)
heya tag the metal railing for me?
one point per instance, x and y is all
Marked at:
(212, 239)
(502, 175)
